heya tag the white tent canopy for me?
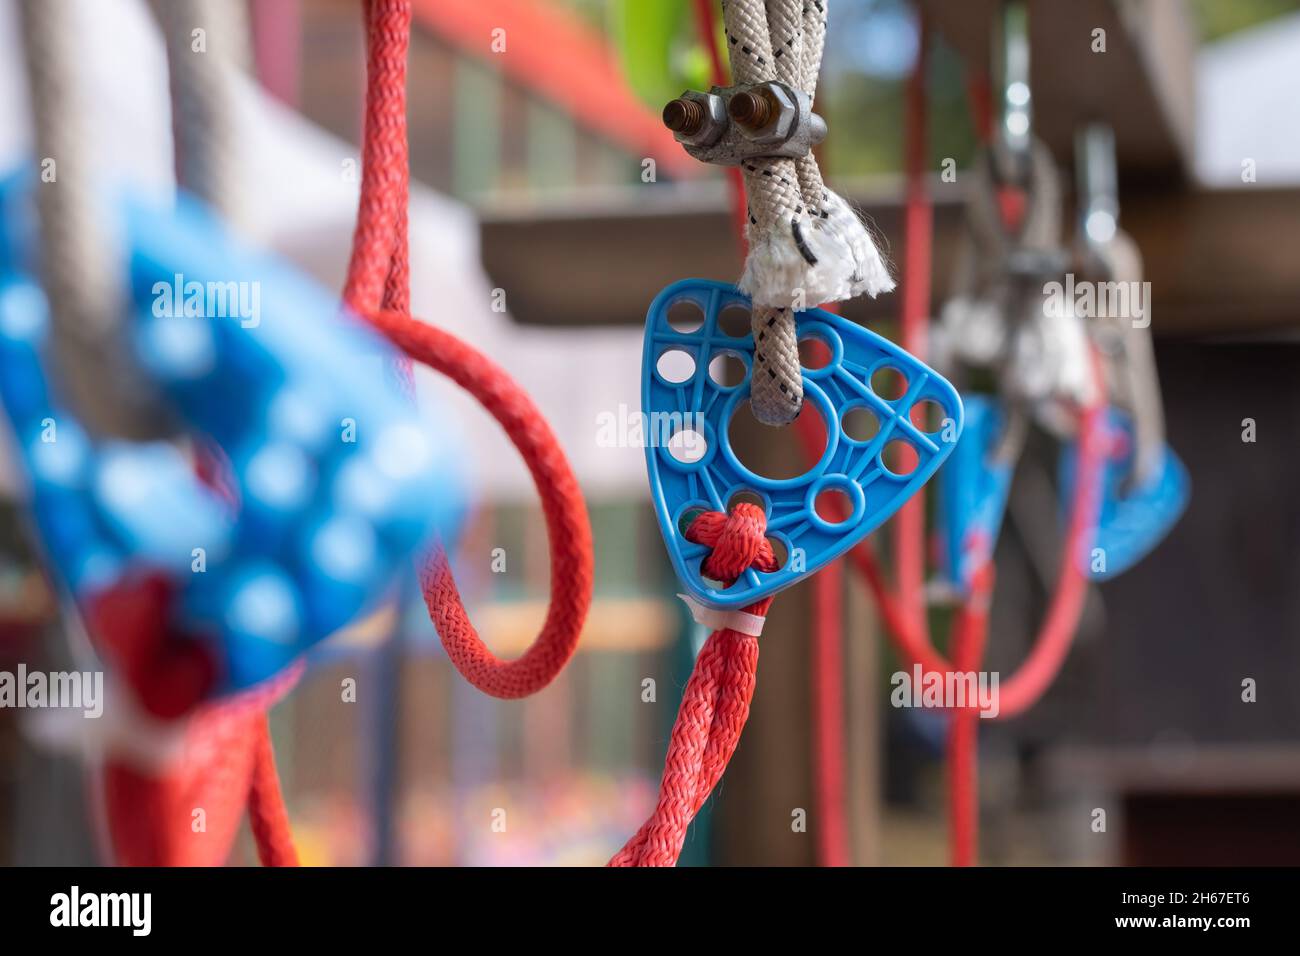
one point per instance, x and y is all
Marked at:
(1248, 107)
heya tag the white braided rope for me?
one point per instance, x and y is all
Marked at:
(806, 245)
(204, 109)
(79, 262)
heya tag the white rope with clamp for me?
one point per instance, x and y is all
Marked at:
(1110, 256)
(806, 245)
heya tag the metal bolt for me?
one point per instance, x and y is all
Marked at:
(752, 109)
(684, 116)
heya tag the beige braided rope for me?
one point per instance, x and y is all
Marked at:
(806, 245)
(204, 111)
(98, 376)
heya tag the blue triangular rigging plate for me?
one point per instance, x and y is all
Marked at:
(689, 407)
(973, 491)
(1130, 521)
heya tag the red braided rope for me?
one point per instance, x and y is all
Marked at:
(378, 288)
(187, 812)
(918, 234)
(567, 525)
(378, 268)
(715, 703)
(968, 637)
(268, 817)
(378, 276)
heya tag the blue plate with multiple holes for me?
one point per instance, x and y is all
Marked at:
(973, 489)
(1131, 520)
(881, 405)
(339, 480)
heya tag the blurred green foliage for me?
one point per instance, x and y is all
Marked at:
(1218, 18)
(658, 49)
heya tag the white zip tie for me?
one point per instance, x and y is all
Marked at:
(715, 620)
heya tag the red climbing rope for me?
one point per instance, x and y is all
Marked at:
(1028, 683)
(268, 817)
(378, 270)
(968, 636)
(715, 703)
(378, 289)
(562, 504)
(830, 789)
(378, 277)
(914, 294)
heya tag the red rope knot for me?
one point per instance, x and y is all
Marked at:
(738, 542)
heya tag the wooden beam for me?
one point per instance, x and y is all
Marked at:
(1142, 85)
(1212, 256)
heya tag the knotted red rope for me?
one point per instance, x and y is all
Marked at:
(715, 703)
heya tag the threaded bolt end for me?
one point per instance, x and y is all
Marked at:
(684, 116)
(750, 109)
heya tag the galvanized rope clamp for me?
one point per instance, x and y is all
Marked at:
(729, 125)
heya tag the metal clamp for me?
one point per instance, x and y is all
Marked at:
(731, 124)
(1013, 135)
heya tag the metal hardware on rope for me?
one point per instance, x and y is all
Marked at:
(729, 125)
(1109, 253)
(806, 245)
(1012, 250)
(1096, 178)
(1013, 141)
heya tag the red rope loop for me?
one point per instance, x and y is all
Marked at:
(378, 288)
(562, 504)
(715, 703)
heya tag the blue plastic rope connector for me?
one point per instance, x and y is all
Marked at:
(876, 400)
(1132, 519)
(336, 481)
(973, 490)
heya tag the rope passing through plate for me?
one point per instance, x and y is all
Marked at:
(715, 703)
(806, 246)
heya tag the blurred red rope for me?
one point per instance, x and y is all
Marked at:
(918, 252)
(903, 610)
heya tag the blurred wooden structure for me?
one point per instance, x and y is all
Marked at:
(1136, 75)
(1218, 260)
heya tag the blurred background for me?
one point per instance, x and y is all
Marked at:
(550, 205)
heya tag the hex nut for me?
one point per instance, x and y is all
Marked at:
(778, 128)
(713, 124)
